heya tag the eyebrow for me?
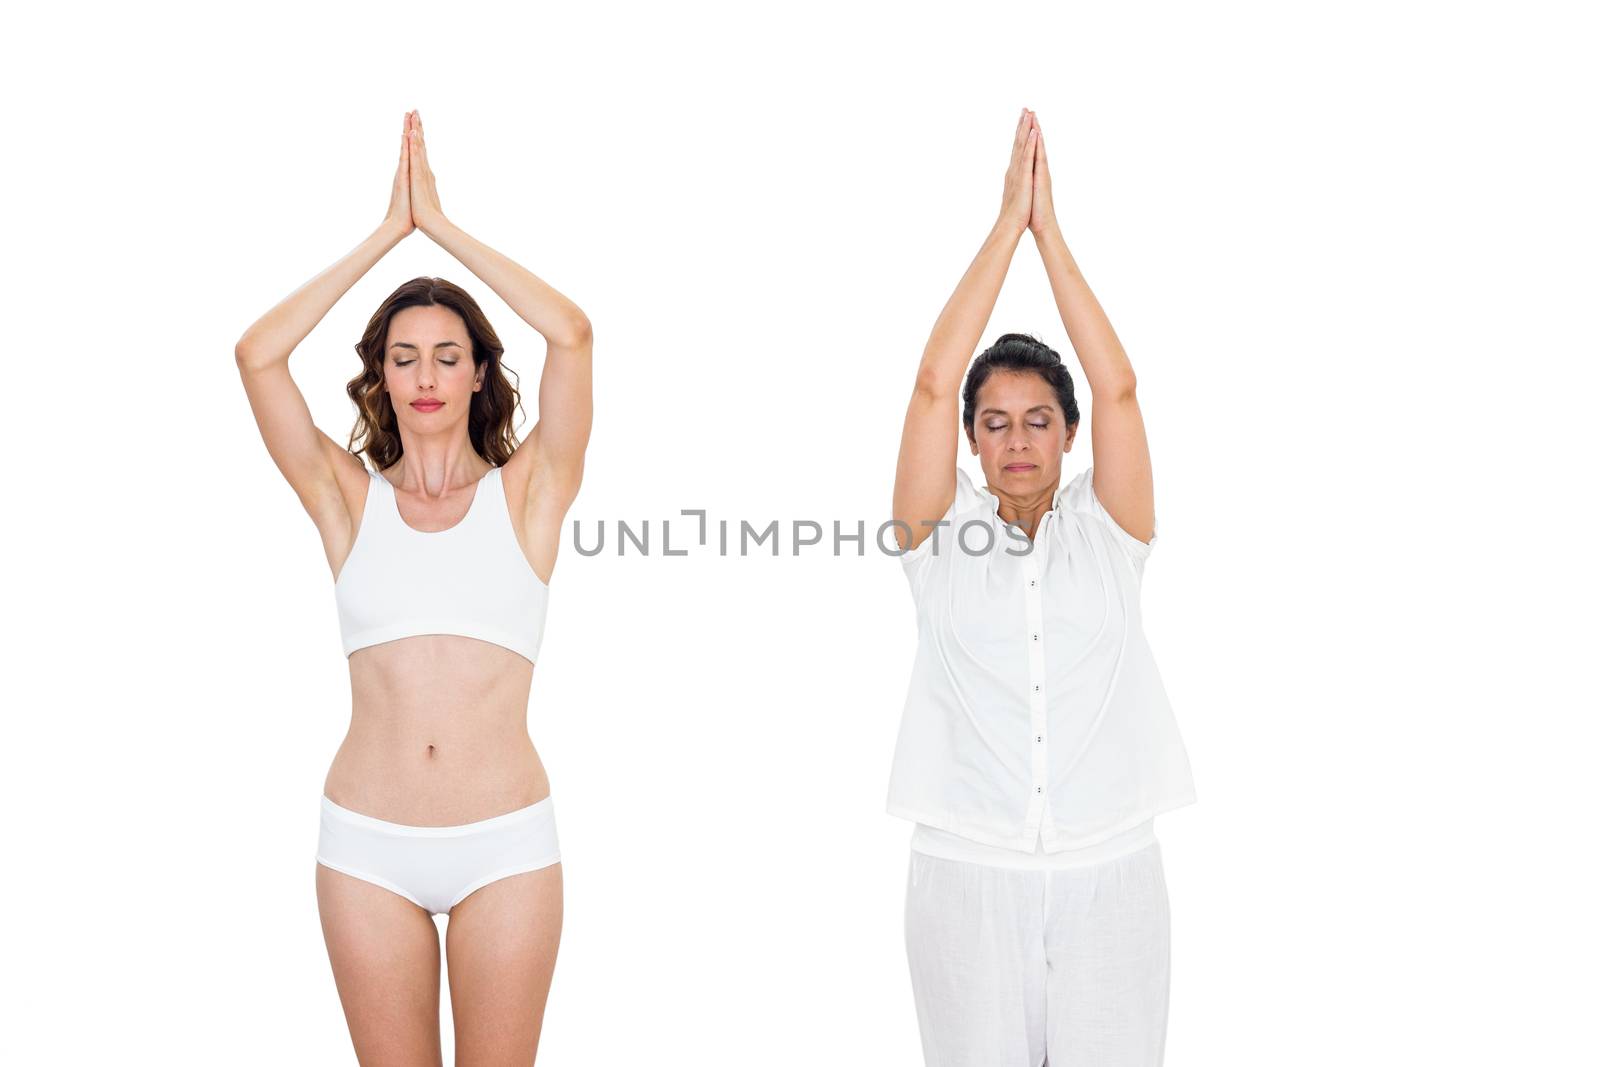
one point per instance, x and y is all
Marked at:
(408, 344)
(1046, 408)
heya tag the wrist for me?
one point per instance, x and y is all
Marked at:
(1007, 229)
(392, 231)
(436, 226)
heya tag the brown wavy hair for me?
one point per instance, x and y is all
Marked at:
(376, 432)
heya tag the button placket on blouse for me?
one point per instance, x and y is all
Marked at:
(1038, 740)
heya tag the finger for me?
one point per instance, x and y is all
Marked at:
(1022, 131)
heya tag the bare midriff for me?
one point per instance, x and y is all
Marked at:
(438, 733)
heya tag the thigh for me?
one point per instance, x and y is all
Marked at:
(385, 956)
(975, 943)
(500, 951)
(1108, 940)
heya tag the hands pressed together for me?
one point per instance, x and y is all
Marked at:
(414, 202)
(1026, 203)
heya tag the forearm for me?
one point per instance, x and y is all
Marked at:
(561, 322)
(1105, 364)
(276, 334)
(960, 325)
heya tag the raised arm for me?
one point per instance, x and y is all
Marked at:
(925, 476)
(314, 463)
(550, 459)
(1122, 476)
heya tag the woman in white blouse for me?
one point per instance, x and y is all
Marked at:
(1036, 745)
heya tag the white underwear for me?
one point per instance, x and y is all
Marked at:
(435, 867)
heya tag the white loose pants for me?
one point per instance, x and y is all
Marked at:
(1019, 968)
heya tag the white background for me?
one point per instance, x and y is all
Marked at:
(1350, 250)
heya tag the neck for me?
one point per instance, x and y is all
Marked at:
(1024, 513)
(432, 465)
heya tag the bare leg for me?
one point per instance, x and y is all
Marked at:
(500, 949)
(385, 956)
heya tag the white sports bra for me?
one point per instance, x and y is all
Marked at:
(472, 580)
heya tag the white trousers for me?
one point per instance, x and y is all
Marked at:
(1019, 968)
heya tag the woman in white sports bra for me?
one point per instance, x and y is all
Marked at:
(437, 802)
(1036, 745)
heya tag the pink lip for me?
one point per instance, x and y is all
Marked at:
(1019, 466)
(427, 405)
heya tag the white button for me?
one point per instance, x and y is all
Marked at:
(1038, 789)
(1036, 637)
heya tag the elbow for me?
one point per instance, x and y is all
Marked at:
(246, 356)
(254, 357)
(252, 351)
(1125, 390)
(932, 387)
(578, 333)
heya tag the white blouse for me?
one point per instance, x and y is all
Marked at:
(1035, 712)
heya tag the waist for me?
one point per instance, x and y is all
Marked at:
(436, 781)
(945, 845)
(540, 811)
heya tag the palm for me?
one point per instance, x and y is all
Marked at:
(425, 210)
(399, 215)
(1016, 203)
(1042, 210)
